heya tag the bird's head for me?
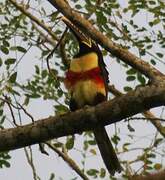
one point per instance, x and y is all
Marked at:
(86, 44)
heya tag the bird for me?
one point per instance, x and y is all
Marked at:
(87, 83)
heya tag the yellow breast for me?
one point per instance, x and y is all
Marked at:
(84, 92)
(84, 63)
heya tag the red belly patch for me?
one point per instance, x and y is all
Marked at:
(93, 74)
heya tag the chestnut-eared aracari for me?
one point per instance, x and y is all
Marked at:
(87, 83)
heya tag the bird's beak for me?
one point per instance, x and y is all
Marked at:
(81, 37)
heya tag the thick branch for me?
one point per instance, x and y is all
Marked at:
(155, 176)
(109, 45)
(143, 98)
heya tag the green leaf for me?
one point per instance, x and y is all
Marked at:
(13, 48)
(44, 53)
(10, 61)
(78, 6)
(34, 96)
(127, 88)
(153, 62)
(92, 142)
(2, 120)
(158, 166)
(54, 16)
(156, 21)
(70, 142)
(131, 78)
(44, 73)
(58, 144)
(115, 139)
(131, 129)
(149, 46)
(152, 2)
(151, 155)
(6, 43)
(86, 145)
(92, 172)
(4, 163)
(141, 79)
(101, 19)
(131, 71)
(125, 146)
(102, 173)
(159, 54)
(93, 151)
(1, 62)
(142, 52)
(52, 176)
(37, 70)
(148, 161)
(21, 49)
(59, 92)
(13, 77)
(61, 108)
(26, 101)
(1, 112)
(157, 141)
(4, 50)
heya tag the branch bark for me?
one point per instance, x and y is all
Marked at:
(139, 100)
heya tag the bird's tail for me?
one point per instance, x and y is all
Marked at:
(107, 151)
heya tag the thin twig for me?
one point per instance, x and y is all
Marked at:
(41, 145)
(51, 54)
(18, 61)
(157, 124)
(42, 149)
(70, 161)
(33, 18)
(11, 110)
(44, 36)
(25, 111)
(29, 157)
(145, 118)
(57, 45)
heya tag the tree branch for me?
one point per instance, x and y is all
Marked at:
(147, 114)
(139, 100)
(23, 9)
(44, 36)
(155, 176)
(69, 161)
(157, 124)
(116, 50)
(29, 157)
